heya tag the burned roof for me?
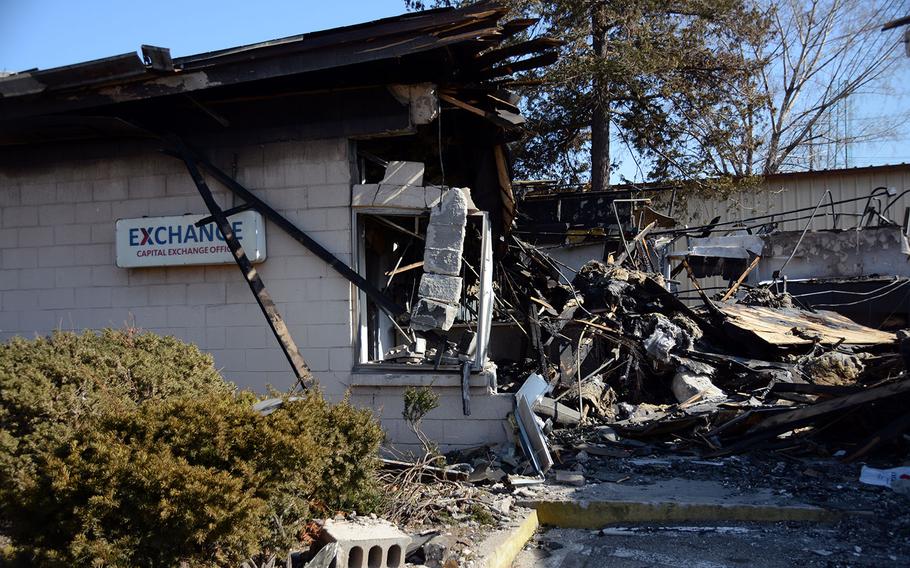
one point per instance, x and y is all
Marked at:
(445, 46)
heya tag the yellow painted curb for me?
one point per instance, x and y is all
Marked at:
(504, 547)
(598, 514)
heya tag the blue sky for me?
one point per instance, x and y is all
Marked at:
(50, 33)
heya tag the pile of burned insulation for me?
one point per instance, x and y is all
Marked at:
(615, 348)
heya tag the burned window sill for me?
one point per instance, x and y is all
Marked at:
(391, 375)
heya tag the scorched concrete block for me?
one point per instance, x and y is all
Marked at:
(452, 209)
(429, 314)
(440, 287)
(441, 236)
(366, 543)
(442, 261)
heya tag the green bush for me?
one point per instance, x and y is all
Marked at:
(128, 449)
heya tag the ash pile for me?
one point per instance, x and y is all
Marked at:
(613, 351)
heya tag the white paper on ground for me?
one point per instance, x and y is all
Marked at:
(883, 477)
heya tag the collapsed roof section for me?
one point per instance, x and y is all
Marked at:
(457, 49)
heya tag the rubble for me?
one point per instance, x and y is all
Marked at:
(694, 379)
(620, 350)
(366, 542)
(570, 478)
(764, 296)
(832, 368)
(616, 367)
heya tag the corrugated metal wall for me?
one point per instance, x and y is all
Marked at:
(793, 191)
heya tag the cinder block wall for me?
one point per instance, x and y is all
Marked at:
(58, 265)
(58, 270)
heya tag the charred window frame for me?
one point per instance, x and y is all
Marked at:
(387, 241)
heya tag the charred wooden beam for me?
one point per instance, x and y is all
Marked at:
(465, 387)
(542, 60)
(515, 27)
(227, 213)
(536, 341)
(516, 49)
(792, 419)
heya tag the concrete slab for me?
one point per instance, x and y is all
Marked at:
(442, 236)
(403, 173)
(602, 504)
(440, 287)
(442, 261)
(430, 314)
(452, 209)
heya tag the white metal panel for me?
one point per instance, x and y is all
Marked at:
(176, 241)
(485, 314)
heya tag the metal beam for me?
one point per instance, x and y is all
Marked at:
(340, 267)
(298, 365)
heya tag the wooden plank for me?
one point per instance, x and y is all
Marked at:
(550, 309)
(641, 235)
(542, 60)
(559, 412)
(463, 105)
(536, 342)
(404, 268)
(704, 297)
(521, 48)
(505, 185)
(572, 356)
(739, 280)
(776, 326)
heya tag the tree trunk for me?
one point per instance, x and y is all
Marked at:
(600, 119)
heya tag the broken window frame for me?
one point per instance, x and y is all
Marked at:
(362, 361)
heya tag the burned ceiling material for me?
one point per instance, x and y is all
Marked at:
(428, 87)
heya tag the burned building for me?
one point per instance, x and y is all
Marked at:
(835, 239)
(358, 176)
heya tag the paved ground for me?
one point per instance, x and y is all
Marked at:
(712, 546)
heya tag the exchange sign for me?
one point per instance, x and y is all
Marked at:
(177, 241)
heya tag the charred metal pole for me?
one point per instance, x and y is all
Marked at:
(298, 365)
(371, 291)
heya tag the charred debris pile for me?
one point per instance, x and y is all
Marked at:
(615, 359)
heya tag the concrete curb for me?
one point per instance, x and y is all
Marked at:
(504, 546)
(598, 514)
